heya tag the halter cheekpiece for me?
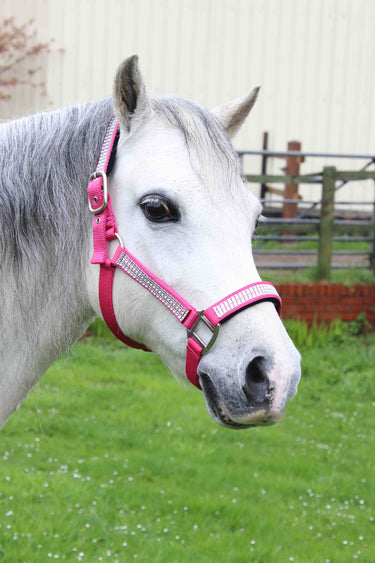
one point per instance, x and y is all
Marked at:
(202, 326)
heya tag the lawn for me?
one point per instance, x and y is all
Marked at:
(110, 459)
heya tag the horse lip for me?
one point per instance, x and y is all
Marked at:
(219, 412)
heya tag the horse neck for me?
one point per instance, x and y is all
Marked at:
(44, 306)
(38, 324)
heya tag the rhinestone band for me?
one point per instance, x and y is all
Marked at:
(135, 272)
(247, 295)
(106, 145)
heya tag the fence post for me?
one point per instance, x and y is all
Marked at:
(263, 187)
(291, 190)
(326, 223)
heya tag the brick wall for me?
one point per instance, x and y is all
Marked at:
(327, 301)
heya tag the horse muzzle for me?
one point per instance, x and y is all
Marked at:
(257, 397)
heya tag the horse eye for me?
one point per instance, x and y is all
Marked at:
(159, 209)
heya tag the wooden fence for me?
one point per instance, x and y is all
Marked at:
(324, 228)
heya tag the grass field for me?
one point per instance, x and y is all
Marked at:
(110, 459)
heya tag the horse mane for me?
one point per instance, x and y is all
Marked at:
(45, 162)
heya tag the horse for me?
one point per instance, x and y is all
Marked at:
(170, 186)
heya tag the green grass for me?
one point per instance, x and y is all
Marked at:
(109, 459)
(348, 244)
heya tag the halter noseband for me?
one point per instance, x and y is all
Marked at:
(202, 326)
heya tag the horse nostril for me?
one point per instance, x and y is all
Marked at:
(257, 385)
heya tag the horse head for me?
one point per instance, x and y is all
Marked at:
(183, 210)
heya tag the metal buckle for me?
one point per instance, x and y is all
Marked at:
(94, 176)
(192, 332)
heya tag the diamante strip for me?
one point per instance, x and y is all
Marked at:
(244, 296)
(106, 145)
(135, 272)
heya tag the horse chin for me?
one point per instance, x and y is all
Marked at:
(250, 417)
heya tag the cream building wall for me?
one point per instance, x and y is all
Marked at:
(315, 60)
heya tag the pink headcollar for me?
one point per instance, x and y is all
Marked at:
(104, 230)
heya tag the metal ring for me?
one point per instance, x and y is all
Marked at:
(119, 240)
(192, 332)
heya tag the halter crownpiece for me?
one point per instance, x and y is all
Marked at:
(202, 326)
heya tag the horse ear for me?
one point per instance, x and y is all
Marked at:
(233, 114)
(130, 101)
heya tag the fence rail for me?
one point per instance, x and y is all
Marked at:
(301, 154)
(324, 227)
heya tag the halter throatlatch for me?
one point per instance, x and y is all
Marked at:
(202, 326)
